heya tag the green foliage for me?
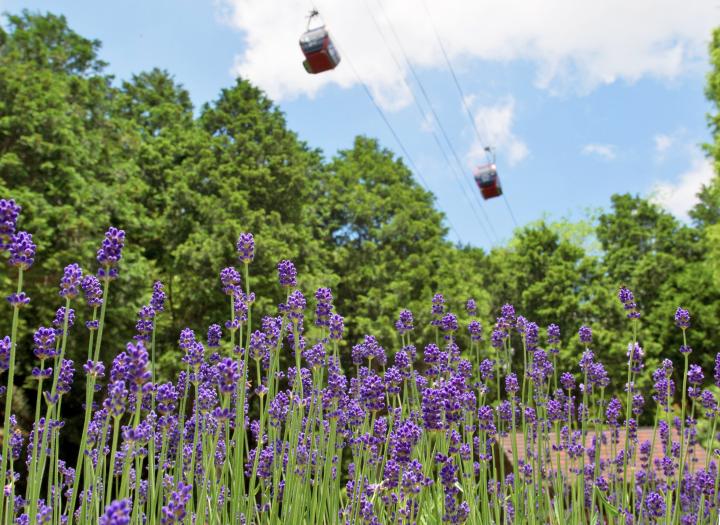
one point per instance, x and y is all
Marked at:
(80, 153)
(383, 239)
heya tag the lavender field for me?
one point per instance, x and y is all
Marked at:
(424, 432)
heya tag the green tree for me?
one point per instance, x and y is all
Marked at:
(385, 239)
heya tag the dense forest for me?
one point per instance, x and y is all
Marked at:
(81, 150)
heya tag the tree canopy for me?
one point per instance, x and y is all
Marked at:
(80, 151)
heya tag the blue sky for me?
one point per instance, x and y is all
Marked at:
(581, 101)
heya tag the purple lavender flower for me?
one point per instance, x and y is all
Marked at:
(508, 312)
(337, 327)
(682, 318)
(157, 300)
(22, 251)
(585, 334)
(287, 274)
(44, 513)
(402, 360)
(613, 411)
(71, 280)
(272, 328)
(635, 356)
(110, 253)
(315, 355)
(166, 397)
(393, 380)
(65, 376)
(695, 375)
(511, 384)
(96, 369)
(279, 408)
(404, 324)
(667, 367)
(709, 403)
(449, 323)
(9, 212)
(586, 361)
(245, 248)
(16, 438)
(531, 336)
(541, 368)
(296, 305)
(59, 320)
(230, 279)
(598, 376)
(369, 349)
(117, 513)
(553, 338)
(18, 300)
(555, 410)
(116, 400)
(638, 401)
(92, 291)
(5, 346)
(175, 511)
(432, 408)
(438, 305)
(137, 372)
(213, 336)
(372, 390)
(628, 301)
(664, 389)
(227, 375)
(486, 369)
(567, 381)
(324, 306)
(655, 505)
(471, 307)
(475, 330)
(194, 355)
(258, 346)
(497, 338)
(145, 324)
(432, 354)
(520, 324)
(37, 373)
(44, 340)
(186, 339)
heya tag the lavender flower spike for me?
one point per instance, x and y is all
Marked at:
(287, 274)
(117, 513)
(71, 281)
(9, 212)
(246, 248)
(682, 318)
(22, 251)
(157, 301)
(110, 253)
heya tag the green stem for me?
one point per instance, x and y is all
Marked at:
(9, 390)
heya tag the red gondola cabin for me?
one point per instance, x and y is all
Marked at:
(487, 179)
(320, 53)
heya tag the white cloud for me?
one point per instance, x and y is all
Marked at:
(494, 125)
(673, 145)
(572, 43)
(680, 196)
(604, 151)
(662, 143)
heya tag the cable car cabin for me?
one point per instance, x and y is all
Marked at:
(487, 179)
(320, 53)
